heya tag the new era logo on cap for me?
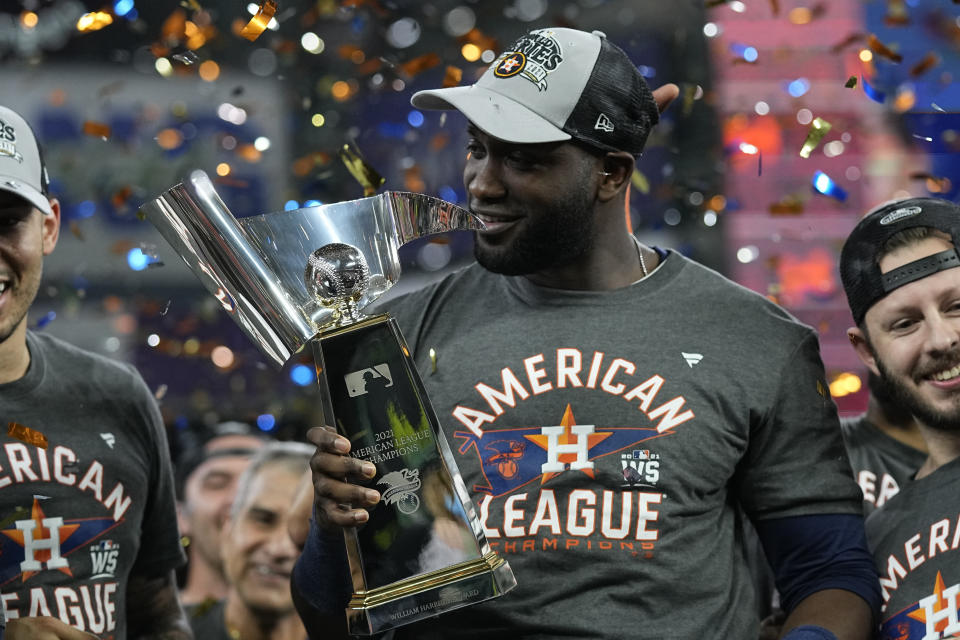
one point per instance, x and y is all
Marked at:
(21, 168)
(604, 123)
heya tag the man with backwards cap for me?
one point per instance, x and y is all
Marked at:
(644, 398)
(88, 543)
(899, 271)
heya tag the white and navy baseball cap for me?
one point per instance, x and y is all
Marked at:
(553, 85)
(22, 171)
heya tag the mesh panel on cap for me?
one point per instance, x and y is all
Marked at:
(615, 95)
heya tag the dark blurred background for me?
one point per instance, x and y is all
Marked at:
(164, 87)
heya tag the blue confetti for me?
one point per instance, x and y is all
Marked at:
(822, 183)
(47, 318)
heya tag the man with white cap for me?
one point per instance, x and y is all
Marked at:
(644, 399)
(88, 540)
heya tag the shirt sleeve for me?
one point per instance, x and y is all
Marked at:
(817, 552)
(160, 548)
(795, 462)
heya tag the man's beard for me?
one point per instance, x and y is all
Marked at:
(910, 399)
(548, 239)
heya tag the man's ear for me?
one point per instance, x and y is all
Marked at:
(51, 227)
(860, 344)
(665, 95)
(615, 174)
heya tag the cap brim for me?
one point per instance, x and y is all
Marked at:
(495, 114)
(26, 192)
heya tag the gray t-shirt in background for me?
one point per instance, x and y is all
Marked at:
(608, 439)
(881, 464)
(95, 506)
(915, 538)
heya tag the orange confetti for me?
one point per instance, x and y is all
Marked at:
(787, 206)
(26, 434)
(258, 23)
(98, 129)
(452, 76)
(76, 231)
(775, 7)
(174, 28)
(883, 50)
(120, 197)
(439, 141)
(929, 61)
(412, 180)
(420, 64)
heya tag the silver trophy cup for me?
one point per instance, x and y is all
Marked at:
(304, 277)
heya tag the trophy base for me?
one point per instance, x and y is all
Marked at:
(428, 595)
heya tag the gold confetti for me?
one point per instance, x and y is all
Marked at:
(433, 360)
(259, 22)
(787, 206)
(366, 175)
(851, 82)
(26, 434)
(883, 50)
(821, 390)
(897, 14)
(94, 21)
(818, 129)
(929, 61)
(640, 182)
(452, 76)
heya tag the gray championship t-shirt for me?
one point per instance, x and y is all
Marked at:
(881, 464)
(914, 538)
(607, 439)
(93, 506)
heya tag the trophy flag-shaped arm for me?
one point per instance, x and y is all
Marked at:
(255, 266)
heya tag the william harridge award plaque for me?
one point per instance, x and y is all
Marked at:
(297, 278)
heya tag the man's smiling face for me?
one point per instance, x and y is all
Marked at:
(914, 337)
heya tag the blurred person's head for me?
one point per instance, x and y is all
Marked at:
(257, 550)
(898, 268)
(29, 229)
(206, 479)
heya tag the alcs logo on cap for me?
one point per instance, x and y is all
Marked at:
(536, 54)
(8, 136)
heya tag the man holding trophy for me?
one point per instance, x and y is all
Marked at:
(609, 405)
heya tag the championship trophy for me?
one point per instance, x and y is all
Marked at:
(302, 277)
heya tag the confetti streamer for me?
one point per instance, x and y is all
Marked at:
(818, 129)
(452, 76)
(929, 62)
(26, 435)
(186, 58)
(160, 392)
(365, 174)
(46, 319)
(433, 360)
(96, 129)
(640, 182)
(873, 93)
(824, 184)
(851, 82)
(846, 42)
(883, 50)
(788, 206)
(258, 23)
(420, 64)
